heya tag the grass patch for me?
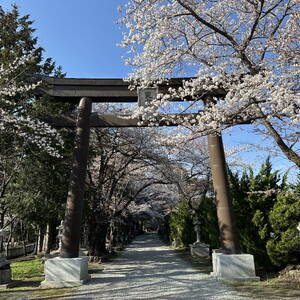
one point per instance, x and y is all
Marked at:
(30, 269)
(267, 290)
(29, 272)
(34, 293)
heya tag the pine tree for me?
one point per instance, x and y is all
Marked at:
(17, 40)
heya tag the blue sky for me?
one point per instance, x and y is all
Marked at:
(81, 36)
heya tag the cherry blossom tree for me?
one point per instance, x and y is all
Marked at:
(120, 170)
(243, 56)
(14, 121)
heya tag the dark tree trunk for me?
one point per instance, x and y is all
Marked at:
(116, 242)
(9, 240)
(49, 238)
(97, 240)
(2, 216)
(23, 234)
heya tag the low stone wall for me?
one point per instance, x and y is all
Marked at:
(19, 251)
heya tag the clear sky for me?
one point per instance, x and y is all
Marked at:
(82, 36)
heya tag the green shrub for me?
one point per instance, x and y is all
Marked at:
(284, 244)
(181, 225)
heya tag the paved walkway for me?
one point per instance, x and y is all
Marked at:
(148, 269)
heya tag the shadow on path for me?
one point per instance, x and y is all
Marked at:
(148, 269)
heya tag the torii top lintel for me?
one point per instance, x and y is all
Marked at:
(99, 90)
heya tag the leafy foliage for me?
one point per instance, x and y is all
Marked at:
(181, 225)
(284, 245)
(258, 204)
(34, 168)
(267, 215)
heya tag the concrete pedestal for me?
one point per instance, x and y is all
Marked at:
(233, 267)
(66, 272)
(199, 250)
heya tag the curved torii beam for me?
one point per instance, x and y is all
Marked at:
(85, 91)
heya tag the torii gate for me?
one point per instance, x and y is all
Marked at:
(86, 91)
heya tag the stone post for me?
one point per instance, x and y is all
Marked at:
(228, 231)
(72, 223)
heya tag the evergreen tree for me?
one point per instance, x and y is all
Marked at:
(181, 225)
(253, 199)
(33, 184)
(209, 229)
(284, 244)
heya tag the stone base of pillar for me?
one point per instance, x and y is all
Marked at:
(66, 272)
(233, 267)
(199, 250)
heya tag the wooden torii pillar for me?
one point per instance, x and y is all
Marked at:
(74, 207)
(116, 90)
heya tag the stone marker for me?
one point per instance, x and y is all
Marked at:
(66, 272)
(233, 267)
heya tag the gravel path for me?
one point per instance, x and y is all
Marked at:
(150, 270)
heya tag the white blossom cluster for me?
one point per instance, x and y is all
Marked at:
(243, 56)
(31, 131)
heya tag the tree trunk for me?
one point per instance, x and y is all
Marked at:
(2, 216)
(112, 231)
(47, 240)
(9, 240)
(97, 240)
(287, 151)
(23, 234)
(40, 239)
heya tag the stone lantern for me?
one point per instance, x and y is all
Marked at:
(199, 249)
(197, 228)
(60, 233)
